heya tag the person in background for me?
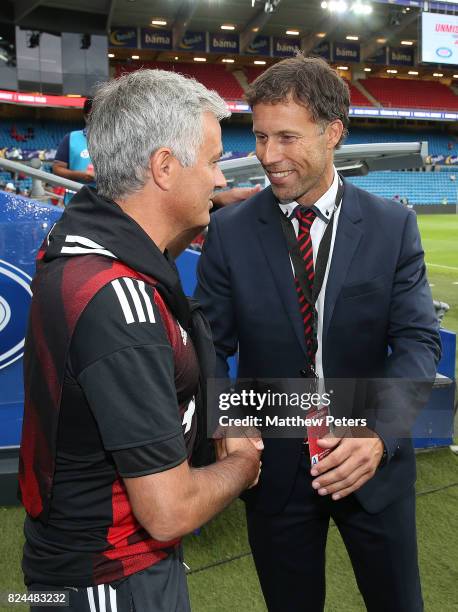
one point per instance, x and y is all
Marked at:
(72, 159)
(10, 188)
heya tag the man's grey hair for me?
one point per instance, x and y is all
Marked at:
(135, 115)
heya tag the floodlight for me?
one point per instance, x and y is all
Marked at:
(361, 8)
(338, 6)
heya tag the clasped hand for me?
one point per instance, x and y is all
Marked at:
(237, 440)
(353, 460)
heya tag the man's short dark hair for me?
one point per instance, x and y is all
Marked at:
(309, 81)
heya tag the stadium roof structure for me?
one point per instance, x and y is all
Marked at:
(393, 22)
(350, 160)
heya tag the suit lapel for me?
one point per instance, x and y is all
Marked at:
(348, 236)
(273, 243)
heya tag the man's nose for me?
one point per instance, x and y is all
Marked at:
(220, 179)
(269, 153)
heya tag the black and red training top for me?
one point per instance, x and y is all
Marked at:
(111, 386)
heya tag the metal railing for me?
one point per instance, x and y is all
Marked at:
(33, 169)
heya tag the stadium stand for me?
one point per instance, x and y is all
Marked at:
(21, 183)
(411, 93)
(214, 77)
(418, 187)
(45, 135)
(399, 93)
(238, 140)
(438, 144)
(252, 73)
(357, 98)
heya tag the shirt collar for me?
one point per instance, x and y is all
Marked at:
(325, 204)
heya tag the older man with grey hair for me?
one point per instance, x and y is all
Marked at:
(114, 361)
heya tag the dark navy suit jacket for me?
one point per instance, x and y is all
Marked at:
(377, 302)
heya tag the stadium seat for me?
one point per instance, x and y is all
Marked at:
(213, 76)
(46, 135)
(357, 98)
(418, 187)
(238, 140)
(438, 143)
(252, 73)
(411, 93)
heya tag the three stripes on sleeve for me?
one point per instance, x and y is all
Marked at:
(134, 300)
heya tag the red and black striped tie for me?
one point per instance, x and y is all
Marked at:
(305, 219)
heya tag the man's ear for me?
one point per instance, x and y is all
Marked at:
(334, 131)
(164, 166)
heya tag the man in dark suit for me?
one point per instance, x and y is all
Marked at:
(373, 317)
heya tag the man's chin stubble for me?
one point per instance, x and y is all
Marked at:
(287, 199)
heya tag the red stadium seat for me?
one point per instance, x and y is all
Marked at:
(357, 98)
(212, 76)
(410, 93)
(252, 73)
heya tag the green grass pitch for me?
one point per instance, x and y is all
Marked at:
(223, 578)
(439, 235)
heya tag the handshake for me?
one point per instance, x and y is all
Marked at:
(243, 443)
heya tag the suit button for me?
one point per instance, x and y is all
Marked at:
(303, 373)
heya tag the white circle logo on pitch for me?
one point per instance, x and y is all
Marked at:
(15, 297)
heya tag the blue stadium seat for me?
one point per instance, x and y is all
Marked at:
(238, 139)
(418, 187)
(438, 144)
(47, 135)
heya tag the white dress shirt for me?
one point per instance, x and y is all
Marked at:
(325, 205)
